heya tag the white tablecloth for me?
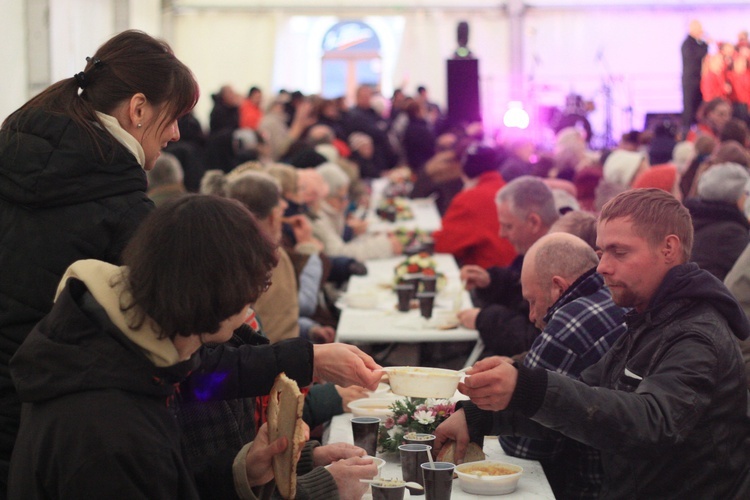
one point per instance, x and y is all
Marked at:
(384, 323)
(426, 215)
(533, 482)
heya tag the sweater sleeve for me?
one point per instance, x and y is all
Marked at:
(309, 284)
(229, 372)
(321, 404)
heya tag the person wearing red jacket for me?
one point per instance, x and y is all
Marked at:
(250, 111)
(470, 228)
(739, 78)
(713, 79)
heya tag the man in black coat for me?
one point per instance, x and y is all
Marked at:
(667, 405)
(694, 49)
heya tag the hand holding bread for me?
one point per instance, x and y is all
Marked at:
(285, 407)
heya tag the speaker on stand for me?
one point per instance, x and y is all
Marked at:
(463, 82)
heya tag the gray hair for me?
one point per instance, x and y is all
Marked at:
(562, 254)
(528, 194)
(334, 176)
(167, 170)
(258, 191)
(724, 182)
(213, 182)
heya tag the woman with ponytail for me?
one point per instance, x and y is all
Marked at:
(73, 182)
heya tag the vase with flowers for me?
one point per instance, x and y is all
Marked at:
(412, 415)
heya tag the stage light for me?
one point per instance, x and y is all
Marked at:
(516, 116)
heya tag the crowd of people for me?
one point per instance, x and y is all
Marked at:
(611, 288)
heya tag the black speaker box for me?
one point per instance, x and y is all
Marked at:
(463, 91)
(654, 119)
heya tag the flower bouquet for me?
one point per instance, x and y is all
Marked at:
(411, 236)
(412, 415)
(394, 208)
(419, 263)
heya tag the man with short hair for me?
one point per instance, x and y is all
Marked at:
(569, 302)
(526, 210)
(667, 406)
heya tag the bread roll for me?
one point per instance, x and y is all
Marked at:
(285, 407)
(473, 453)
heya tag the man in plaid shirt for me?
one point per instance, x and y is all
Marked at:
(579, 321)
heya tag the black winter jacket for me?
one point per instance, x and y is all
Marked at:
(667, 406)
(60, 201)
(721, 234)
(98, 418)
(503, 321)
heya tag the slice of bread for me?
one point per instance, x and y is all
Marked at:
(473, 453)
(285, 407)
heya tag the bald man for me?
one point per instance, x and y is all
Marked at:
(570, 304)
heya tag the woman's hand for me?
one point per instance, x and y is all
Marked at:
(346, 365)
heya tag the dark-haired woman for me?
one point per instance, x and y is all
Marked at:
(72, 181)
(98, 375)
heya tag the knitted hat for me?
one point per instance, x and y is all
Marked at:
(478, 160)
(724, 182)
(661, 177)
(621, 166)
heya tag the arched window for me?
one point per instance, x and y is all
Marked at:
(351, 57)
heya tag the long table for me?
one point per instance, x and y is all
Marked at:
(426, 216)
(383, 323)
(533, 482)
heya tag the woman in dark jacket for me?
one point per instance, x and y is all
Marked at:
(97, 376)
(72, 181)
(721, 226)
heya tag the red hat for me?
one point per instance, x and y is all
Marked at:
(661, 177)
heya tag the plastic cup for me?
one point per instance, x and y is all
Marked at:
(388, 490)
(412, 456)
(405, 293)
(429, 283)
(365, 431)
(438, 480)
(420, 438)
(426, 303)
(413, 280)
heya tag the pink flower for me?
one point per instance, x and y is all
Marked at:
(403, 419)
(389, 423)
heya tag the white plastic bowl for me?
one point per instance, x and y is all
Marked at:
(373, 407)
(488, 484)
(379, 463)
(418, 382)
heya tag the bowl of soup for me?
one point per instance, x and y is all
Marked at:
(488, 477)
(421, 382)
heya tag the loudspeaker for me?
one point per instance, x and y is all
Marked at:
(654, 119)
(463, 91)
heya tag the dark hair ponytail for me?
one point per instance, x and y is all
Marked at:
(128, 63)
